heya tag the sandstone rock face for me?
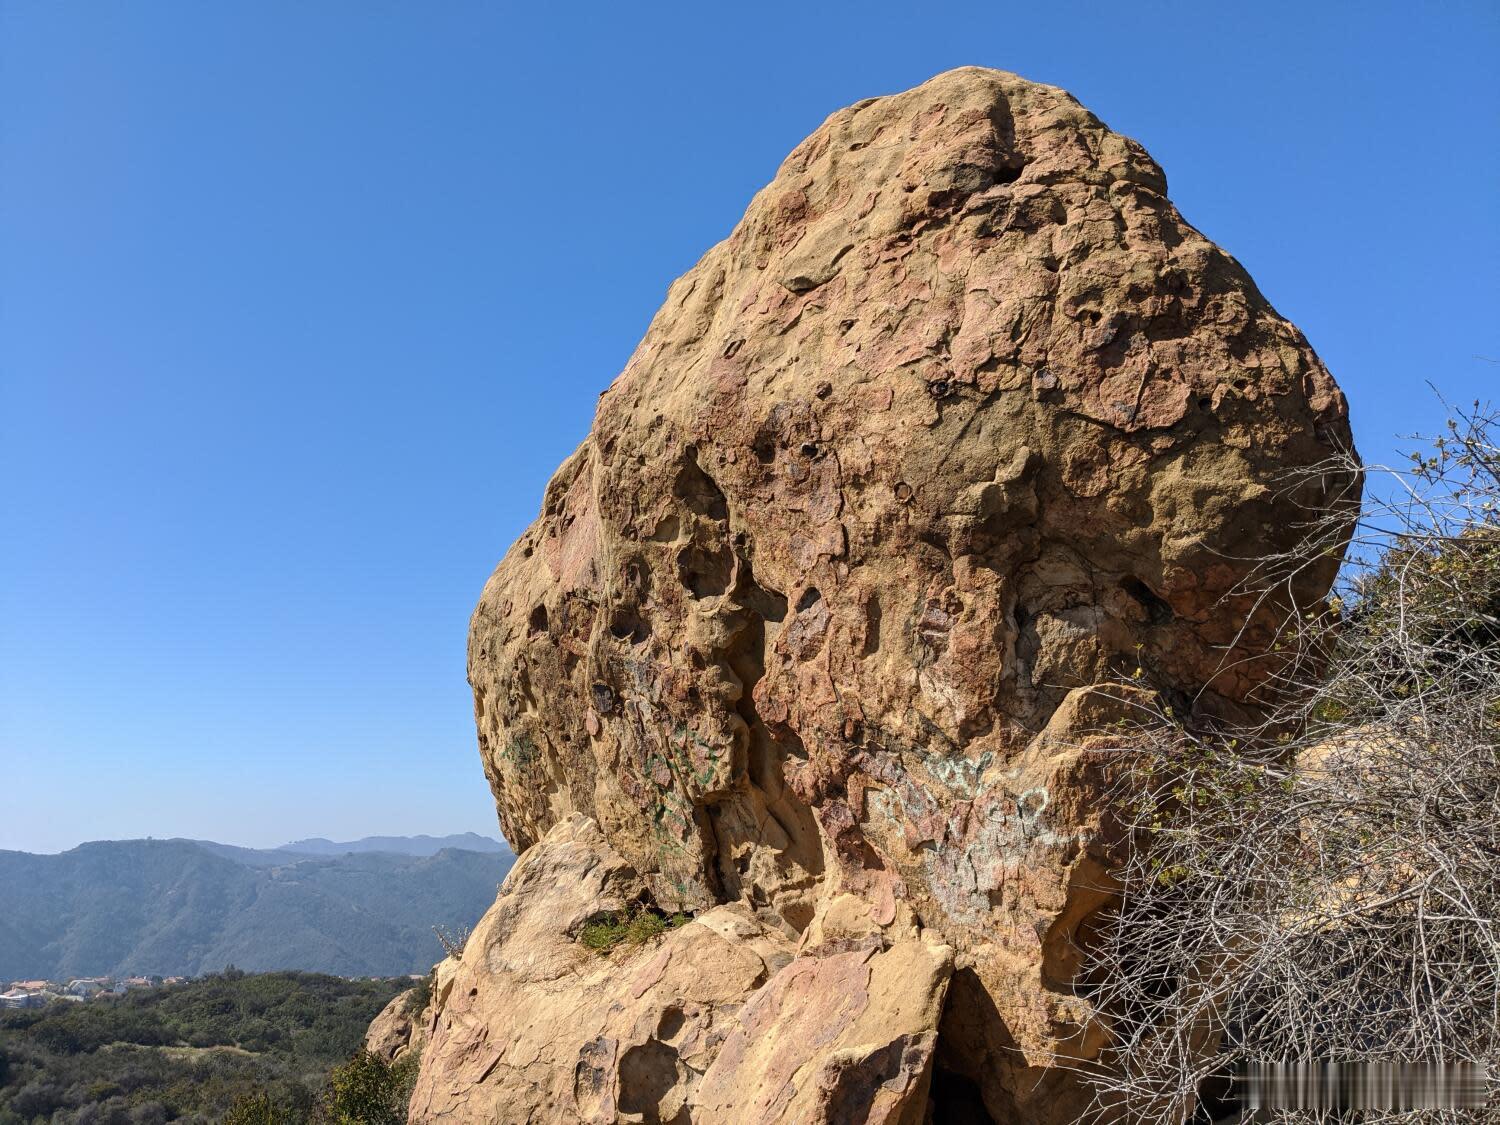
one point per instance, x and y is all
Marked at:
(716, 1022)
(962, 419)
(396, 1030)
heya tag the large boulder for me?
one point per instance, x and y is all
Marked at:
(960, 421)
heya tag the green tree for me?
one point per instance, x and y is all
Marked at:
(367, 1090)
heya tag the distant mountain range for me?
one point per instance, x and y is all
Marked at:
(399, 845)
(184, 907)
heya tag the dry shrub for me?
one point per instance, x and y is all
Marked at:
(1325, 885)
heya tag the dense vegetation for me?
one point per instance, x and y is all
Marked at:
(1325, 886)
(181, 907)
(199, 1051)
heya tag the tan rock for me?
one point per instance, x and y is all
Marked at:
(533, 1026)
(397, 1029)
(843, 1033)
(962, 419)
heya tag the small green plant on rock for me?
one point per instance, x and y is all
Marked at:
(635, 926)
(419, 996)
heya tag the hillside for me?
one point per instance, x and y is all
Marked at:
(187, 1052)
(179, 907)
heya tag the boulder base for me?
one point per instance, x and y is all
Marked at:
(720, 1020)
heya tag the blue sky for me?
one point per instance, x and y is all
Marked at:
(302, 302)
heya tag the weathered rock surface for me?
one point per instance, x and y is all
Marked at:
(962, 419)
(397, 1030)
(715, 1022)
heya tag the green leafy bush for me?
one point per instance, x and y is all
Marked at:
(420, 997)
(367, 1090)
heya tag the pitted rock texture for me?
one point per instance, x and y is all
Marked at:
(715, 1022)
(962, 419)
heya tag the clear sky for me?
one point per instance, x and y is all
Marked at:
(302, 301)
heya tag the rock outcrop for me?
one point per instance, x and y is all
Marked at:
(962, 420)
(398, 1029)
(718, 1021)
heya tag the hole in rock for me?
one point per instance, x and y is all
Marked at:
(1021, 617)
(670, 1023)
(628, 625)
(768, 605)
(538, 620)
(666, 529)
(705, 574)
(810, 597)
(1158, 612)
(972, 1035)
(698, 490)
(1009, 175)
(765, 818)
(648, 1072)
(872, 626)
(799, 915)
(956, 1100)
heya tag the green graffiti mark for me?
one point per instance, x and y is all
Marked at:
(521, 752)
(684, 743)
(688, 758)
